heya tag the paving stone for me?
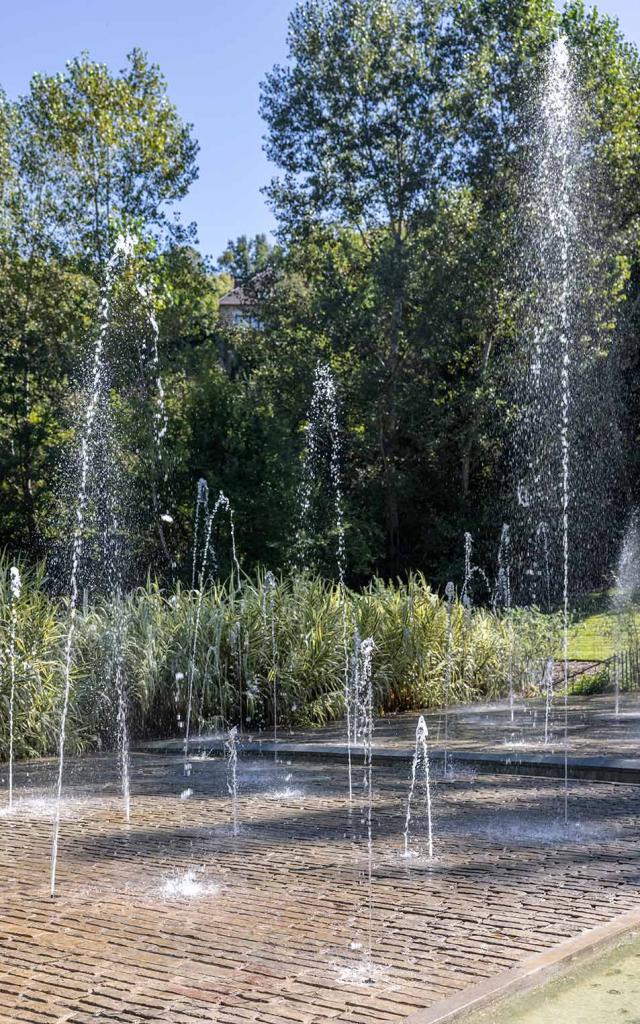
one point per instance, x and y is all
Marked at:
(286, 917)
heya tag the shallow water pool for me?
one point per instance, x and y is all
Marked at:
(601, 991)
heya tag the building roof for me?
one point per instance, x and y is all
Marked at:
(236, 297)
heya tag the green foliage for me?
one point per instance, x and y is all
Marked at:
(237, 661)
(597, 634)
(592, 638)
(104, 149)
(402, 138)
(591, 682)
(40, 633)
(83, 154)
(399, 131)
(245, 257)
(534, 632)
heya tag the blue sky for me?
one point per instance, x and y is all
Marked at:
(214, 54)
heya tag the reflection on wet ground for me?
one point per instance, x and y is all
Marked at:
(173, 918)
(593, 727)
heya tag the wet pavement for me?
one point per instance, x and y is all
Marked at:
(172, 918)
(593, 727)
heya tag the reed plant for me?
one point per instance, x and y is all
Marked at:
(238, 642)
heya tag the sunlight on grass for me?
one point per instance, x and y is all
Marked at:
(592, 638)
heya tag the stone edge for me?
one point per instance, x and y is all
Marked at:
(587, 769)
(533, 973)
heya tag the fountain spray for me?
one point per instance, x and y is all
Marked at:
(123, 249)
(202, 508)
(122, 712)
(450, 593)
(556, 187)
(160, 418)
(323, 415)
(15, 587)
(502, 597)
(419, 768)
(547, 686)
(367, 648)
(231, 754)
(269, 597)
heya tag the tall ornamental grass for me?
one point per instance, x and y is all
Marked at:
(296, 632)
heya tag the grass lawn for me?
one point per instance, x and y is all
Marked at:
(591, 639)
(592, 636)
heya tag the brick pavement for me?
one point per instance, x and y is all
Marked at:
(284, 916)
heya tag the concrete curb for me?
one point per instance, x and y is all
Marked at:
(532, 973)
(586, 769)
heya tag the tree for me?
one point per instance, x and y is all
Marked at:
(83, 155)
(369, 124)
(107, 149)
(245, 258)
(400, 130)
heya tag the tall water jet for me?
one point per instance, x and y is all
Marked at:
(450, 593)
(502, 599)
(419, 770)
(115, 669)
(367, 648)
(151, 356)
(542, 554)
(201, 509)
(196, 634)
(160, 418)
(626, 583)
(123, 248)
(231, 755)
(468, 567)
(556, 231)
(207, 552)
(560, 382)
(269, 615)
(502, 594)
(471, 571)
(123, 741)
(122, 727)
(347, 698)
(353, 691)
(559, 114)
(322, 464)
(15, 589)
(322, 439)
(547, 688)
(223, 502)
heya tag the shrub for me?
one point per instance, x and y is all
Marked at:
(591, 682)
